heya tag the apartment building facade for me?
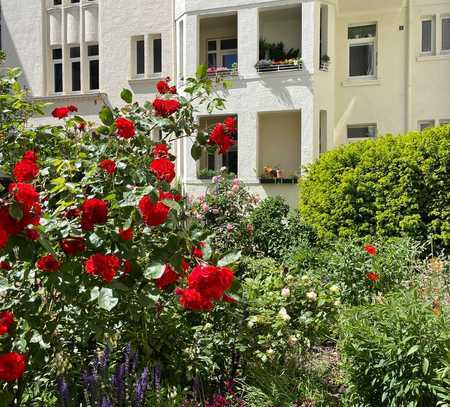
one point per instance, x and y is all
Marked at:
(306, 75)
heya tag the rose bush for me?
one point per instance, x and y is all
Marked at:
(90, 224)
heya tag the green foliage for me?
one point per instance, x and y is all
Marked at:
(275, 229)
(389, 186)
(346, 264)
(397, 354)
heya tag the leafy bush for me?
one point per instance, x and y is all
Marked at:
(390, 186)
(397, 354)
(361, 277)
(275, 229)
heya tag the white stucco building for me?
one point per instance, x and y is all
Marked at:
(306, 75)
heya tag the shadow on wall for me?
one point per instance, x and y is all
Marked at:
(12, 57)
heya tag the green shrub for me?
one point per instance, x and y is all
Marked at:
(346, 264)
(398, 353)
(390, 186)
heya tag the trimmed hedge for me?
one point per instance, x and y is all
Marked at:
(389, 186)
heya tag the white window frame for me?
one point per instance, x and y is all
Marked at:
(444, 17)
(363, 41)
(151, 61)
(219, 52)
(88, 67)
(54, 62)
(426, 123)
(433, 35)
(362, 125)
(71, 60)
(149, 66)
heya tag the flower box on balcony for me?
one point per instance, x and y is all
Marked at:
(222, 71)
(267, 65)
(291, 181)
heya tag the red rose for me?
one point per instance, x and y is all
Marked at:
(24, 194)
(163, 168)
(126, 234)
(127, 267)
(60, 112)
(72, 108)
(30, 155)
(173, 90)
(108, 166)
(169, 277)
(94, 212)
(197, 251)
(6, 320)
(82, 126)
(211, 281)
(73, 213)
(160, 150)
(163, 87)
(4, 265)
(31, 216)
(72, 245)
(25, 171)
(12, 366)
(3, 238)
(104, 266)
(370, 249)
(154, 214)
(374, 277)
(169, 195)
(230, 125)
(125, 128)
(48, 264)
(194, 300)
(220, 139)
(33, 234)
(165, 108)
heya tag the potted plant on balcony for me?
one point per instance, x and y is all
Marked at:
(276, 175)
(324, 62)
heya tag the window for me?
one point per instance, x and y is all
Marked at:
(93, 61)
(57, 2)
(75, 65)
(222, 53)
(362, 51)
(428, 34)
(74, 1)
(140, 57)
(157, 55)
(361, 131)
(444, 121)
(446, 34)
(57, 62)
(147, 55)
(425, 124)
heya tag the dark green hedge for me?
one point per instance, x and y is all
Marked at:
(389, 186)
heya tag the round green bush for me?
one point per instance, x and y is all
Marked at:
(390, 186)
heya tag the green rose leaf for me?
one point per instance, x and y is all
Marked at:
(106, 299)
(16, 212)
(106, 116)
(172, 204)
(105, 130)
(229, 258)
(154, 271)
(202, 70)
(126, 95)
(196, 151)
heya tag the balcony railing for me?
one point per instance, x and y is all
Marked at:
(222, 71)
(273, 66)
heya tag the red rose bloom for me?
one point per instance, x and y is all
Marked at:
(24, 194)
(169, 277)
(163, 168)
(31, 216)
(73, 213)
(82, 126)
(126, 234)
(60, 112)
(12, 366)
(108, 166)
(3, 238)
(160, 150)
(173, 90)
(154, 214)
(169, 195)
(230, 125)
(104, 266)
(165, 108)
(374, 277)
(33, 234)
(219, 138)
(370, 249)
(127, 267)
(4, 265)
(48, 264)
(94, 212)
(6, 320)
(194, 300)
(72, 245)
(30, 155)
(72, 108)
(163, 87)
(125, 128)
(25, 170)
(211, 281)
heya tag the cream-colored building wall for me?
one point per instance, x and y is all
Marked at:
(279, 141)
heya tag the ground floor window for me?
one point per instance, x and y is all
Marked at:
(425, 124)
(356, 131)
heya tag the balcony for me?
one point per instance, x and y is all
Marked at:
(280, 39)
(219, 45)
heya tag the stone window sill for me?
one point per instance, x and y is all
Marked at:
(361, 82)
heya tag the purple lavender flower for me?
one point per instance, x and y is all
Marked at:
(63, 390)
(157, 377)
(140, 389)
(105, 403)
(104, 360)
(134, 360)
(126, 357)
(118, 382)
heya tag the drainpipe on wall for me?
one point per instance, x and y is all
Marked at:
(409, 69)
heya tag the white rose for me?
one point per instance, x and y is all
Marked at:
(286, 292)
(311, 296)
(284, 315)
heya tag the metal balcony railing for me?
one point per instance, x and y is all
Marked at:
(279, 67)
